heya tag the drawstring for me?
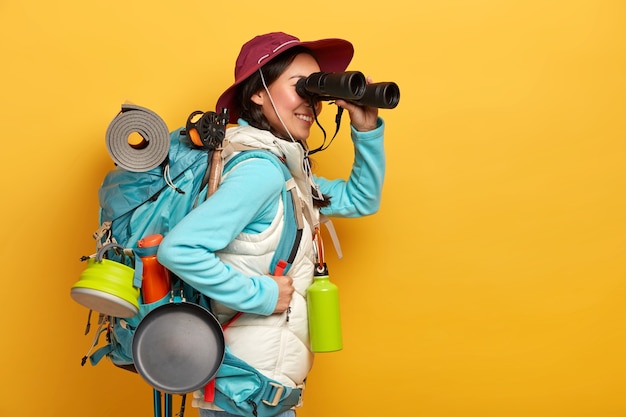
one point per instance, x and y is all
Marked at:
(168, 179)
(306, 165)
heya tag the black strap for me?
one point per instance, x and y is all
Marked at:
(323, 146)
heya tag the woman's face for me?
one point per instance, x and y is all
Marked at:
(295, 111)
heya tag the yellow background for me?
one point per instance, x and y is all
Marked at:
(491, 282)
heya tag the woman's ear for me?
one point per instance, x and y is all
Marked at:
(258, 97)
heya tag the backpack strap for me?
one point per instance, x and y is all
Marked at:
(294, 224)
(280, 264)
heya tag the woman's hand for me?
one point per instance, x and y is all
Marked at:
(285, 292)
(361, 117)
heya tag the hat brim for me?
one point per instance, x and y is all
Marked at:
(332, 55)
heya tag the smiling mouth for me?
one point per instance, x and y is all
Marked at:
(305, 118)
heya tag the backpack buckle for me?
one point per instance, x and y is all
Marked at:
(279, 393)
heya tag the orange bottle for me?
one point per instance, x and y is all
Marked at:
(155, 283)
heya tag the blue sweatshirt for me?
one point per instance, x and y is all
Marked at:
(246, 201)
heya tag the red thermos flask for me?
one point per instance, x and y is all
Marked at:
(155, 283)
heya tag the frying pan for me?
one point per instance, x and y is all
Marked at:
(178, 347)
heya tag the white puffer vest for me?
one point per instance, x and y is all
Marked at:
(277, 345)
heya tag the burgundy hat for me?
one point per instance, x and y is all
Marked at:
(332, 55)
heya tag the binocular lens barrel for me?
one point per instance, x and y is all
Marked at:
(348, 85)
(382, 95)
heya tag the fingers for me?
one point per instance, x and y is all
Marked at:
(285, 292)
(363, 118)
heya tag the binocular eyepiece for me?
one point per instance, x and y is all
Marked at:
(350, 86)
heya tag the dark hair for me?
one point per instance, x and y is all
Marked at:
(252, 112)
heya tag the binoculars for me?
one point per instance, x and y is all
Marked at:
(350, 86)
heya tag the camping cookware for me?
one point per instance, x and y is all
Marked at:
(178, 347)
(106, 286)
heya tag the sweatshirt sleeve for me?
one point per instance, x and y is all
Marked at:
(360, 195)
(245, 201)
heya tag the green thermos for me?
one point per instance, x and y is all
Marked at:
(324, 319)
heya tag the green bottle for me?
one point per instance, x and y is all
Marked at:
(324, 319)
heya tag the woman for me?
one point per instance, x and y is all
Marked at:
(223, 247)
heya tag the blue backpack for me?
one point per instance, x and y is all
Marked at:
(137, 204)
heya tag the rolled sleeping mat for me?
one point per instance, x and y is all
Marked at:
(137, 155)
